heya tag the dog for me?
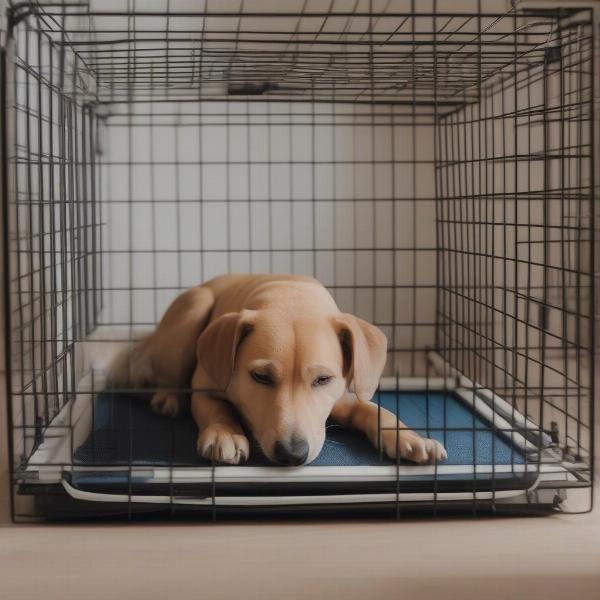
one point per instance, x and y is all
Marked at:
(272, 355)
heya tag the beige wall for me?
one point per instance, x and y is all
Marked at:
(4, 470)
(4, 475)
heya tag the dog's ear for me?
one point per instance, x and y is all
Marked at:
(364, 348)
(218, 343)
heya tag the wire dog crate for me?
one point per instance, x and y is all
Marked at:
(432, 163)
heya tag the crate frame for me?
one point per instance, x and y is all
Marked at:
(457, 355)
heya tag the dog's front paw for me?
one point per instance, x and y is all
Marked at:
(412, 447)
(219, 443)
(166, 404)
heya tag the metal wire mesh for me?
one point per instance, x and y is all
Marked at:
(432, 166)
(516, 236)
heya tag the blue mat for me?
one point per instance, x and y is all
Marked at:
(126, 430)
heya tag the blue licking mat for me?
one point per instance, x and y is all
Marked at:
(126, 430)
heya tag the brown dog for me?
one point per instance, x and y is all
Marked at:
(275, 351)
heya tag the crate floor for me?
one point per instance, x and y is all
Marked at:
(126, 431)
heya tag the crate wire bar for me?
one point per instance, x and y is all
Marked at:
(431, 162)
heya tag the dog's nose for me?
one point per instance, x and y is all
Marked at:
(292, 452)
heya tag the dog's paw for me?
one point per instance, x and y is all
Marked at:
(166, 404)
(218, 443)
(413, 447)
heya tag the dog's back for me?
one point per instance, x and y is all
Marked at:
(167, 356)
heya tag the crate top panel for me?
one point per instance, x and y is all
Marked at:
(419, 52)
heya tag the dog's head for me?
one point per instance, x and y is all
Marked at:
(284, 375)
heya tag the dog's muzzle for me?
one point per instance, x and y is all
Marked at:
(291, 452)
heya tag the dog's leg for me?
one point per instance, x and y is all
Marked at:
(167, 356)
(221, 437)
(394, 436)
(166, 403)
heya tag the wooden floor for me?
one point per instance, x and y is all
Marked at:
(544, 558)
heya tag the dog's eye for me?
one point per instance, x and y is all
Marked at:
(261, 377)
(322, 380)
